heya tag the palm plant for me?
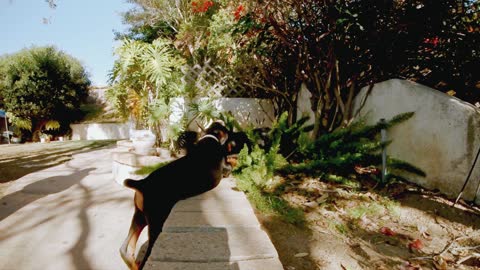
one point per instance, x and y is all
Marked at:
(144, 74)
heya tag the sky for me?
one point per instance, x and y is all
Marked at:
(83, 29)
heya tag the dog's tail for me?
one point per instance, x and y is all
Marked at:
(135, 184)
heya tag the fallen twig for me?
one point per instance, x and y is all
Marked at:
(467, 248)
(448, 246)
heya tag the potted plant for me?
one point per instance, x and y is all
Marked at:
(16, 135)
(44, 138)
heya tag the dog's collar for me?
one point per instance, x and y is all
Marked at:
(210, 136)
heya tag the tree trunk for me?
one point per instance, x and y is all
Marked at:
(37, 129)
(318, 105)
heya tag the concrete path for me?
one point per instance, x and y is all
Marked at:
(71, 216)
(214, 231)
(74, 216)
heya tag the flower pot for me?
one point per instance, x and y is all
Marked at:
(143, 141)
(143, 147)
(163, 153)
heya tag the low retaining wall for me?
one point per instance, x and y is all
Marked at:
(247, 111)
(100, 131)
(442, 138)
(125, 162)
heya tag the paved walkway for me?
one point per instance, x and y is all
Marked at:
(74, 216)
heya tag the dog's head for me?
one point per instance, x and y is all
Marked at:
(236, 141)
(219, 131)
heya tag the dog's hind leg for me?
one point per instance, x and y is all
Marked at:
(154, 231)
(155, 224)
(127, 251)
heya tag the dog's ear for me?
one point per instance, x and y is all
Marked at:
(222, 136)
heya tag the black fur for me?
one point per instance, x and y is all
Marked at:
(197, 172)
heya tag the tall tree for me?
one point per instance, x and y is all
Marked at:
(42, 87)
(332, 47)
(336, 47)
(151, 19)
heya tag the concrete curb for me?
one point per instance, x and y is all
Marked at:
(215, 230)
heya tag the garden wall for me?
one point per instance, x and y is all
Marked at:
(442, 138)
(100, 131)
(247, 111)
(257, 112)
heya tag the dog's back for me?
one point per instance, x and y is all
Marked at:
(197, 172)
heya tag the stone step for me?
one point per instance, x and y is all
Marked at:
(198, 221)
(134, 159)
(125, 144)
(219, 195)
(228, 183)
(262, 264)
(214, 204)
(217, 245)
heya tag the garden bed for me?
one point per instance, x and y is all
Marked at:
(400, 227)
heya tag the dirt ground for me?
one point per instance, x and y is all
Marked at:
(400, 227)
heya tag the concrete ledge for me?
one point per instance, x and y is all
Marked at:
(215, 230)
(186, 221)
(219, 195)
(214, 204)
(262, 264)
(223, 245)
(135, 160)
(126, 163)
(213, 211)
(121, 172)
(125, 144)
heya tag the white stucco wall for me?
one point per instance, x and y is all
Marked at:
(247, 111)
(442, 138)
(304, 105)
(100, 131)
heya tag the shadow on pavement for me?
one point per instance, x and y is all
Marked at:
(14, 168)
(77, 251)
(11, 203)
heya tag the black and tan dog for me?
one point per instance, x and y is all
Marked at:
(195, 173)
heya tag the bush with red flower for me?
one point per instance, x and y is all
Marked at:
(239, 12)
(202, 6)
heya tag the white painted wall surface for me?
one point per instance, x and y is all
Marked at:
(304, 105)
(100, 131)
(442, 138)
(254, 111)
(247, 111)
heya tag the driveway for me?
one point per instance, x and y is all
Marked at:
(71, 216)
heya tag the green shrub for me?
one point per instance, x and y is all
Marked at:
(335, 155)
(146, 170)
(253, 173)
